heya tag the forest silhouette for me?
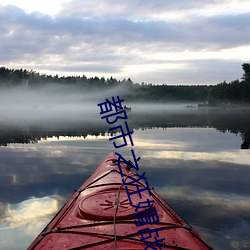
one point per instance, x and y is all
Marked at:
(224, 93)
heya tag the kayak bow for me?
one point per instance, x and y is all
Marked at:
(100, 216)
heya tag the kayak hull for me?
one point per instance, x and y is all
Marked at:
(100, 215)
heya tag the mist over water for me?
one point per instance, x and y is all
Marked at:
(61, 102)
(59, 107)
(54, 102)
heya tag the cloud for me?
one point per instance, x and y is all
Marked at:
(149, 9)
(116, 30)
(29, 210)
(26, 220)
(125, 40)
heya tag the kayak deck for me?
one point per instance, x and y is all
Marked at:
(100, 215)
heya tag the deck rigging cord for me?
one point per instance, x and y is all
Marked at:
(113, 238)
(116, 210)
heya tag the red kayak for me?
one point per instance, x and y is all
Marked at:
(101, 215)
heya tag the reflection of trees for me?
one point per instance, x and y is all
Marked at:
(36, 133)
(246, 141)
(229, 120)
(16, 137)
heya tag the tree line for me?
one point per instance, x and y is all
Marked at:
(236, 91)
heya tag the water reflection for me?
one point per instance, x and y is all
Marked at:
(194, 164)
(233, 121)
(29, 210)
(20, 222)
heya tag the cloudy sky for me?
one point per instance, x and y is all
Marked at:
(157, 41)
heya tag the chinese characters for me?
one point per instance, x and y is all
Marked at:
(112, 111)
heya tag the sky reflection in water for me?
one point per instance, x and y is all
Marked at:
(199, 171)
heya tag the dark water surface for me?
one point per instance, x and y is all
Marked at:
(193, 158)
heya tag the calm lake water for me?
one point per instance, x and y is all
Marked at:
(197, 160)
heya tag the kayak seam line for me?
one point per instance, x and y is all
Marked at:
(115, 214)
(119, 237)
(62, 230)
(110, 222)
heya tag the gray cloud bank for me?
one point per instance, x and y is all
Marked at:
(121, 39)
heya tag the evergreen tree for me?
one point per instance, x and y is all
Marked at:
(246, 69)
